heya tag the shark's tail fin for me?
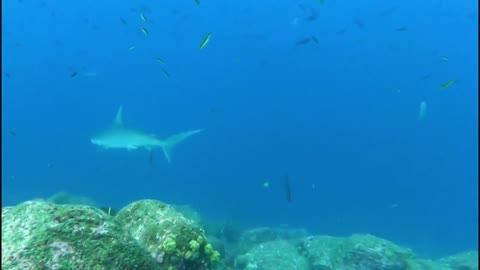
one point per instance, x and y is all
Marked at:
(168, 144)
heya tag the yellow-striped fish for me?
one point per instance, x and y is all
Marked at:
(142, 16)
(144, 30)
(448, 84)
(205, 41)
(160, 60)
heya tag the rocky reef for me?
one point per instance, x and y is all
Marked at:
(146, 235)
(271, 248)
(153, 235)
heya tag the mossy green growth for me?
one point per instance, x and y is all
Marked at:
(194, 245)
(169, 245)
(188, 255)
(211, 253)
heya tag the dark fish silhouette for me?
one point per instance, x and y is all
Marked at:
(426, 77)
(311, 18)
(306, 41)
(150, 159)
(288, 190)
(303, 41)
(359, 23)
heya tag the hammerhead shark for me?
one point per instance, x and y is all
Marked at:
(119, 136)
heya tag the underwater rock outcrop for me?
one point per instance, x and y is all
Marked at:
(278, 255)
(44, 235)
(146, 235)
(252, 237)
(174, 241)
(320, 252)
(355, 252)
(152, 235)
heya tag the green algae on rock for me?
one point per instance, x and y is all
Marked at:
(44, 235)
(355, 252)
(174, 241)
(462, 261)
(278, 255)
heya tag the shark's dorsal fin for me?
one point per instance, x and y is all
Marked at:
(119, 117)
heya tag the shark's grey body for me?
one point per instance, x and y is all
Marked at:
(119, 136)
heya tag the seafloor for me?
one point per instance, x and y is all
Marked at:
(67, 232)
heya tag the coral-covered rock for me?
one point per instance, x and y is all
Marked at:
(253, 237)
(43, 235)
(274, 255)
(174, 241)
(463, 261)
(355, 252)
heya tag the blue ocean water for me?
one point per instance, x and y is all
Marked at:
(328, 94)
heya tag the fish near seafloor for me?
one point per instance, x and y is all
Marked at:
(120, 137)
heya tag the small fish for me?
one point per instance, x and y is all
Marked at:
(166, 73)
(448, 84)
(422, 111)
(160, 60)
(314, 39)
(73, 74)
(150, 159)
(131, 48)
(295, 21)
(444, 58)
(109, 210)
(320, 2)
(288, 190)
(205, 41)
(359, 23)
(402, 29)
(426, 77)
(303, 41)
(197, 2)
(144, 30)
(123, 21)
(266, 184)
(311, 18)
(12, 132)
(142, 16)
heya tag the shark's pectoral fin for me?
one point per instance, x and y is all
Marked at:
(119, 117)
(166, 152)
